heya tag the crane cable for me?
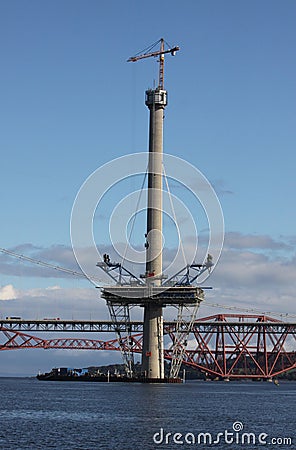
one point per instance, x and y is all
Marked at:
(148, 49)
(48, 265)
(134, 217)
(174, 214)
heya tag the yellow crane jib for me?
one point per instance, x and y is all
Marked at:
(161, 52)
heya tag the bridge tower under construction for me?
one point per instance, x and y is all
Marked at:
(152, 290)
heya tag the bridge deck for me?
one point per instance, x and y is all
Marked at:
(91, 326)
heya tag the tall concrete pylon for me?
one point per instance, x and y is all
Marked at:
(152, 350)
(153, 291)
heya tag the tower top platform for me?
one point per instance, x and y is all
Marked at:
(156, 97)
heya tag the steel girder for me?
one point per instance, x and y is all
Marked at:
(221, 346)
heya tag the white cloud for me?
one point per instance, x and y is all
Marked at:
(53, 288)
(236, 240)
(254, 281)
(53, 301)
(8, 292)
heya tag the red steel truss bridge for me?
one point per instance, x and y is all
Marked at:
(224, 346)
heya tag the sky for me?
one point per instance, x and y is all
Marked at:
(70, 103)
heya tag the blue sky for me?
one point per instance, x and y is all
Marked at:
(70, 103)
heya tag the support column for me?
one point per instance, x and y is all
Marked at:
(152, 353)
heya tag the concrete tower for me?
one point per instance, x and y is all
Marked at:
(152, 291)
(156, 100)
(152, 351)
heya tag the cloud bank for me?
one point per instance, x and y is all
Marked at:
(254, 272)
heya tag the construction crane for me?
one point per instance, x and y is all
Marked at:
(147, 54)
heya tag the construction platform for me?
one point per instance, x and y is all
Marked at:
(141, 295)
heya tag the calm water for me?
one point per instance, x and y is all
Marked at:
(56, 415)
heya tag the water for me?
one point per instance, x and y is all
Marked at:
(64, 415)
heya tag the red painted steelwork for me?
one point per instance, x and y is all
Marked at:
(224, 346)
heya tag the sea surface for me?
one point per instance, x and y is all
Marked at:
(67, 415)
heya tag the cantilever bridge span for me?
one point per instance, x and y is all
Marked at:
(223, 346)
